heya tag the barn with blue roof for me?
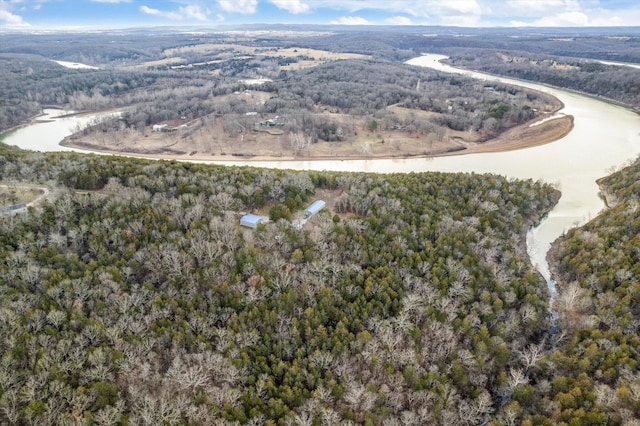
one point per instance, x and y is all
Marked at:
(251, 220)
(314, 208)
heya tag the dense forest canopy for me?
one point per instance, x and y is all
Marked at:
(133, 296)
(110, 49)
(598, 268)
(129, 294)
(32, 82)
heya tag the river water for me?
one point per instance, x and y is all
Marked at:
(605, 137)
(49, 130)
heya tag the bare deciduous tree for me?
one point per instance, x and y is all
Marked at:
(300, 142)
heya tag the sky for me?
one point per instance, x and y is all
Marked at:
(36, 14)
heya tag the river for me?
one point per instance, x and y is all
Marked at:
(48, 131)
(605, 137)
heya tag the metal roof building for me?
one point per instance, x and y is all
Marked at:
(314, 208)
(251, 220)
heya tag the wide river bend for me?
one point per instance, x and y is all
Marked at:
(605, 137)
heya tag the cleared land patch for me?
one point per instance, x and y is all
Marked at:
(17, 194)
(308, 57)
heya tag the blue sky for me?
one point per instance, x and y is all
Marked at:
(34, 14)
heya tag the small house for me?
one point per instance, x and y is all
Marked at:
(251, 220)
(160, 127)
(314, 208)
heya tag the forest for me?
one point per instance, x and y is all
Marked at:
(141, 69)
(133, 297)
(618, 83)
(30, 83)
(335, 101)
(598, 267)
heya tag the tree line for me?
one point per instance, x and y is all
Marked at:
(30, 83)
(618, 83)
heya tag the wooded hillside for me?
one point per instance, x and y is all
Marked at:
(133, 296)
(618, 83)
(594, 377)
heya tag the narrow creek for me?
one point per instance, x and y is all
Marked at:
(605, 137)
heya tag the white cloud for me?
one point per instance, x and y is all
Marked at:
(11, 19)
(395, 12)
(154, 12)
(194, 12)
(239, 6)
(530, 12)
(614, 21)
(436, 12)
(350, 20)
(567, 19)
(398, 20)
(494, 12)
(538, 6)
(608, 18)
(355, 5)
(191, 12)
(291, 6)
(454, 12)
(465, 7)
(459, 12)
(111, 1)
(550, 13)
(579, 19)
(461, 20)
(413, 7)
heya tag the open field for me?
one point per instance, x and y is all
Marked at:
(289, 52)
(312, 57)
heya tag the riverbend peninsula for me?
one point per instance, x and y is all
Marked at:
(257, 148)
(496, 118)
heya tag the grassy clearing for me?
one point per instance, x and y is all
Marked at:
(237, 51)
(12, 194)
(289, 52)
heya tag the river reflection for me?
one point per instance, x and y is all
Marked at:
(605, 137)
